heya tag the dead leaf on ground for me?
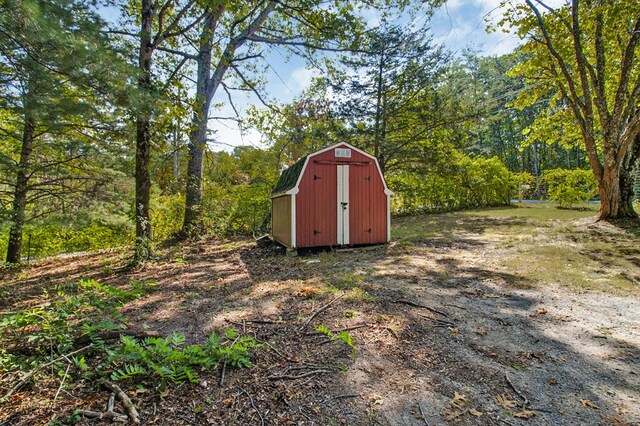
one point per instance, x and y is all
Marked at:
(587, 403)
(475, 412)
(541, 311)
(454, 331)
(505, 400)
(524, 414)
(616, 421)
(451, 414)
(458, 400)
(482, 331)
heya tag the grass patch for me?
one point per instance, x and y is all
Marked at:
(538, 242)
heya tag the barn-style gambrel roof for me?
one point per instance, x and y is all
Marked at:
(289, 176)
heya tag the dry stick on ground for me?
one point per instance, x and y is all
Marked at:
(301, 376)
(109, 414)
(417, 305)
(62, 382)
(319, 311)
(124, 399)
(520, 394)
(30, 374)
(422, 414)
(254, 406)
(224, 370)
(439, 323)
(349, 395)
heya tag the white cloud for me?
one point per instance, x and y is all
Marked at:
(301, 78)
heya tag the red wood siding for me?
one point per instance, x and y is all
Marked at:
(316, 216)
(316, 201)
(368, 205)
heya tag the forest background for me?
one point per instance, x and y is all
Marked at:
(106, 113)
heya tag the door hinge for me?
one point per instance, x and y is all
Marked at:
(316, 232)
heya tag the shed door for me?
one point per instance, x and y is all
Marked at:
(343, 205)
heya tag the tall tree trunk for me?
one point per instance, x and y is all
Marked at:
(610, 194)
(198, 135)
(629, 170)
(14, 249)
(206, 87)
(143, 137)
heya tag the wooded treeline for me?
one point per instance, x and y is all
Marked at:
(105, 112)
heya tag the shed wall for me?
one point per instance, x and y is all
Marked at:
(368, 205)
(281, 219)
(316, 221)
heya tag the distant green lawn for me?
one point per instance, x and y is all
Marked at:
(539, 243)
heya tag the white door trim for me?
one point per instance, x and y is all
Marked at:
(342, 205)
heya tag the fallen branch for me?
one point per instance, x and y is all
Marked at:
(422, 414)
(417, 305)
(254, 406)
(349, 395)
(224, 370)
(30, 374)
(319, 311)
(124, 399)
(438, 322)
(109, 415)
(278, 353)
(62, 382)
(520, 394)
(301, 376)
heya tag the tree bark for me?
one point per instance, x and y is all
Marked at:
(198, 136)
(610, 194)
(629, 170)
(14, 248)
(143, 134)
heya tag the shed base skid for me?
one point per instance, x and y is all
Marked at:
(307, 251)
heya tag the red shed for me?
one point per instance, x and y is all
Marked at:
(333, 197)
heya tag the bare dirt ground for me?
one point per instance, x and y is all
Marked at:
(484, 318)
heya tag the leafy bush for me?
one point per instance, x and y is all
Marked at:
(452, 182)
(47, 239)
(569, 187)
(524, 185)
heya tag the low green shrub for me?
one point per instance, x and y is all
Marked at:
(83, 311)
(569, 188)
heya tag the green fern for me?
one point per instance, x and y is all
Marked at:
(342, 336)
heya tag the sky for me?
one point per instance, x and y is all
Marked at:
(459, 25)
